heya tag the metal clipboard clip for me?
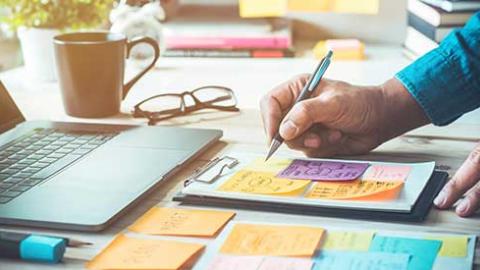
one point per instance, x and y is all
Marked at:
(213, 170)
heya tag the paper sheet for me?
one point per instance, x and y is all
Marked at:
(357, 190)
(423, 252)
(134, 253)
(273, 165)
(323, 170)
(186, 222)
(452, 246)
(263, 8)
(387, 173)
(263, 183)
(277, 263)
(271, 240)
(336, 260)
(347, 241)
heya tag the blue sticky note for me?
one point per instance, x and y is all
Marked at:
(341, 260)
(423, 252)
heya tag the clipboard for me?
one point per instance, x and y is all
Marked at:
(417, 213)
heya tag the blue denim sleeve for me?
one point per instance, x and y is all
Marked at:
(446, 81)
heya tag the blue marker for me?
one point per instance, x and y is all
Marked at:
(31, 247)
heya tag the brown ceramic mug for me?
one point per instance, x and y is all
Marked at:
(91, 67)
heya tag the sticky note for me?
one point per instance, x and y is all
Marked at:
(135, 253)
(387, 173)
(355, 6)
(227, 262)
(335, 260)
(323, 170)
(308, 5)
(186, 222)
(452, 246)
(349, 241)
(272, 240)
(263, 8)
(273, 165)
(263, 183)
(344, 49)
(357, 190)
(423, 252)
(278, 263)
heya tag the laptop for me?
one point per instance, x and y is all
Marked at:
(80, 176)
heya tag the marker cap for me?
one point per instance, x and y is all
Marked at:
(42, 248)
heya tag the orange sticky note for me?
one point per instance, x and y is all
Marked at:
(308, 5)
(387, 173)
(356, 190)
(186, 222)
(272, 240)
(267, 183)
(134, 253)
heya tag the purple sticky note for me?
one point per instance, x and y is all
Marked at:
(323, 170)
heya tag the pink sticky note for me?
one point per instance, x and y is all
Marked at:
(387, 173)
(226, 262)
(275, 263)
(323, 170)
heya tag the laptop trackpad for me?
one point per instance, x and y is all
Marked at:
(118, 169)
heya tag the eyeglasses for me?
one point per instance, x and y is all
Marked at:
(166, 106)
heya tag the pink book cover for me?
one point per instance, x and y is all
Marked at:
(227, 42)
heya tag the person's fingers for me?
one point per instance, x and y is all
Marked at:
(464, 179)
(276, 103)
(471, 203)
(306, 113)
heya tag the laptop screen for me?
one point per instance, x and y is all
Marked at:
(10, 115)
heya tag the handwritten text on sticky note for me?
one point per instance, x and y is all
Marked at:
(423, 252)
(323, 170)
(175, 221)
(271, 240)
(356, 190)
(263, 183)
(385, 173)
(134, 253)
(351, 241)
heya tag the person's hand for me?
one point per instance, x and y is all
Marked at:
(466, 181)
(339, 119)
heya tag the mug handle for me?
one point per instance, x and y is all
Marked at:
(130, 45)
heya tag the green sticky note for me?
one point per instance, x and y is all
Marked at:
(452, 246)
(348, 241)
(423, 252)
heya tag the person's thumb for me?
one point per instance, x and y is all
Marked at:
(302, 116)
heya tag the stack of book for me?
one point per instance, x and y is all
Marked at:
(430, 21)
(258, 38)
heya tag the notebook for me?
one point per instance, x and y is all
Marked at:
(408, 199)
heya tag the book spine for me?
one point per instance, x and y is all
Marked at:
(251, 53)
(422, 26)
(424, 11)
(227, 43)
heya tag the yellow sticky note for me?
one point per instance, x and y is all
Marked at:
(343, 49)
(355, 6)
(134, 253)
(349, 241)
(272, 240)
(273, 165)
(308, 5)
(452, 246)
(262, 8)
(263, 183)
(356, 190)
(186, 222)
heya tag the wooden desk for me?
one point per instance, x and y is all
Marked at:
(243, 132)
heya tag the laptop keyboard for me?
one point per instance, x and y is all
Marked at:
(35, 157)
